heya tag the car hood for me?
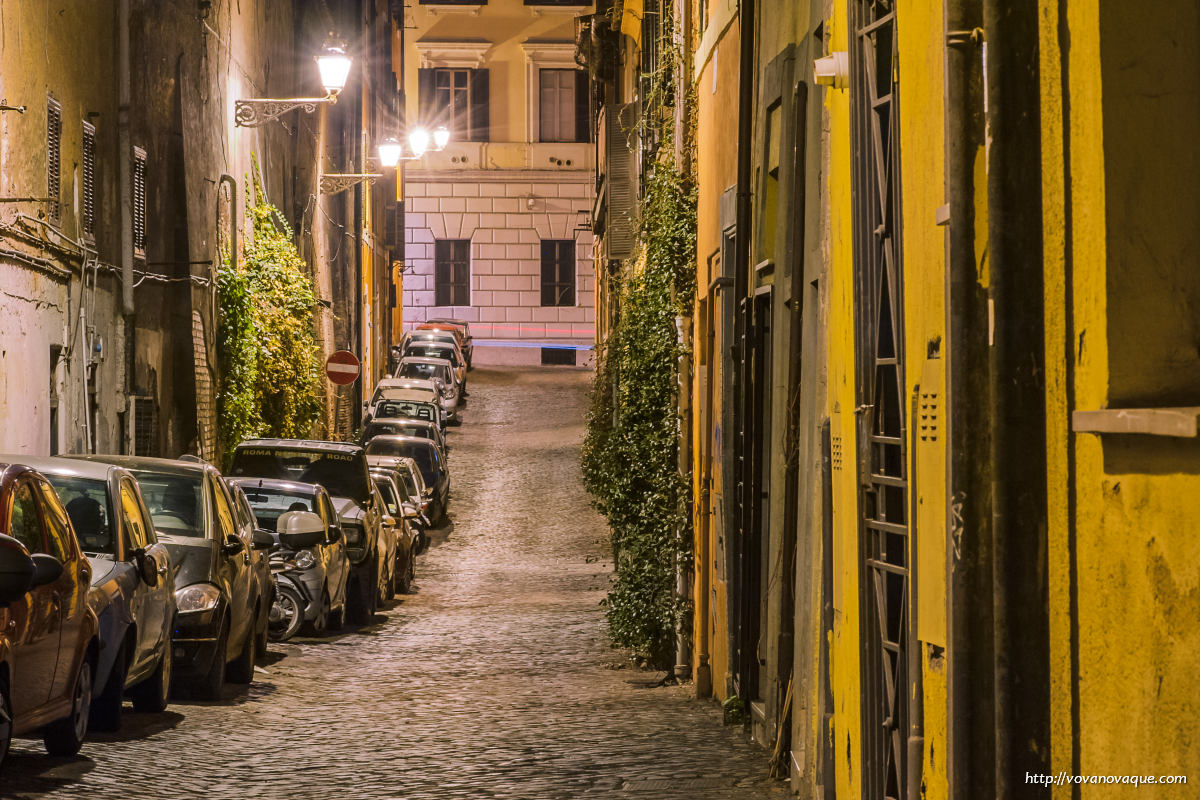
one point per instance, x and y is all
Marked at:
(347, 510)
(192, 558)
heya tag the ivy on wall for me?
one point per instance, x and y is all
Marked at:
(631, 450)
(270, 381)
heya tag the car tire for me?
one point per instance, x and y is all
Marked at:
(209, 686)
(337, 619)
(406, 582)
(361, 602)
(320, 625)
(64, 737)
(153, 694)
(106, 706)
(6, 727)
(390, 590)
(241, 669)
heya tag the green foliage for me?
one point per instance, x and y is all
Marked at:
(270, 361)
(630, 452)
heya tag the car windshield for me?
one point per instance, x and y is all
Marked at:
(389, 496)
(175, 501)
(421, 452)
(433, 351)
(410, 483)
(342, 474)
(415, 369)
(270, 504)
(88, 507)
(405, 409)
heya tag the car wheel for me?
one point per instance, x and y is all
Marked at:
(153, 694)
(392, 583)
(6, 726)
(241, 669)
(106, 707)
(337, 619)
(260, 639)
(321, 623)
(361, 601)
(64, 737)
(209, 687)
(406, 581)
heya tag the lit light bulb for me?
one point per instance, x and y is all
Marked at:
(418, 141)
(334, 66)
(441, 137)
(390, 151)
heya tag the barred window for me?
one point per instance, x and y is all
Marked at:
(139, 202)
(53, 155)
(88, 223)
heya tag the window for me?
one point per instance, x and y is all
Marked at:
(452, 272)
(58, 527)
(131, 518)
(139, 202)
(222, 512)
(86, 500)
(558, 272)
(563, 105)
(456, 98)
(53, 155)
(88, 223)
(25, 525)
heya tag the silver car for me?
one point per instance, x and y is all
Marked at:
(440, 369)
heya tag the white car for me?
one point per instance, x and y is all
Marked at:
(438, 370)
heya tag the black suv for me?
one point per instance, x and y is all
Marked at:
(342, 469)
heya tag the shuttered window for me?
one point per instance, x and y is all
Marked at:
(88, 223)
(139, 202)
(558, 272)
(563, 105)
(458, 99)
(452, 272)
(53, 156)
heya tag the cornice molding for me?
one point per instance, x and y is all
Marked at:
(451, 53)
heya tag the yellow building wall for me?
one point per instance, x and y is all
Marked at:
(844, 649)
(716, 171)
(1136, 574)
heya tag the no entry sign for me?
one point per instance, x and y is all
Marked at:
(342, 367)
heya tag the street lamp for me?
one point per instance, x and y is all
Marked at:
(334, 67)
(441, 137)
(418, 141)
(390, 151)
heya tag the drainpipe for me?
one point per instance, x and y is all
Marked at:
(125, 191)
(1018, 393)
(968, 479)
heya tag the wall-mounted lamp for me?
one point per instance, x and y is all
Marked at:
(334, 67)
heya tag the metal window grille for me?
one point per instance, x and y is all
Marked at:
(53, 155)
(145, 426)
(452, 272)
(88, 223)
(139, 202)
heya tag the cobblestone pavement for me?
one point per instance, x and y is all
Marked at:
(494, 679)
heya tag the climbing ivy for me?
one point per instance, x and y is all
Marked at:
(631, 449)
(270, 361)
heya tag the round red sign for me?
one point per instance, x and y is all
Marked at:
(342, 367)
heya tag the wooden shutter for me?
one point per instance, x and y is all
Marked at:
(549, 271)
(139, 202)
(53, 155)
(566, 272)
(425, 94)
(480, 101)
(621, 181)
(583, 103)
(442, 272)
(88, 223)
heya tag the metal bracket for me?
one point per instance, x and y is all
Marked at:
(253, 113)
(332, 183)
(4, 106)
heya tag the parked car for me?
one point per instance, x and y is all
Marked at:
(402, 502)
(342, 469)
(323, 568)
(222, 607)
(132, 589)
(462, 328)
(260, 554)
(48, 632)
(406, 427)
(414, 403)
(407, 542)
(440, 369)
(429, 461)
(432, 344)
(388, 387)
(410, 481)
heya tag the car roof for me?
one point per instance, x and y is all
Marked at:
(165, 466)
(415, 395)
(303, 444)
(275, 483)
(66, 467)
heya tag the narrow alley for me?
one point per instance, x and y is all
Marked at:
(493, 679)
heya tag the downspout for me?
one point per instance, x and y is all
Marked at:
(968, 487)
(125, 191)
(741, 290)
(1017, 388)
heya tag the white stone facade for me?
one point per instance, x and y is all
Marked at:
(505, 214)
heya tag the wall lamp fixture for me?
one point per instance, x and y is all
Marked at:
(334, 66)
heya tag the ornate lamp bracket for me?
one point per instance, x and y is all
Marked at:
(253, 113)
(334, 182)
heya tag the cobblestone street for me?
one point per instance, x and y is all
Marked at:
(494, 679)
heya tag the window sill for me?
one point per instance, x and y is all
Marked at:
(1180, 422)
(438, 9)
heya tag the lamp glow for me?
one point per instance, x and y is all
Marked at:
(441, 137)
(334, 66)
(390, 151)
(418, 141)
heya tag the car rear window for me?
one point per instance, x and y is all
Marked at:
(433, 351)
(421, 452)
(374, 429)
(342, 474)
(270, 504)
(87, 504)
(413, 369)
(405, 409)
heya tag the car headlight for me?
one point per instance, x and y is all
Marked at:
(197, 597)
(305, 559)
(354, 535)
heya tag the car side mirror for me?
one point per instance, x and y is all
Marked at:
(16, 569)
(335, 535)
(262, 540)
(46, 569)
(147, 567)
(389, 521)
(233, 545)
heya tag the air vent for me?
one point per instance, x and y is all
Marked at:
(929, 413)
